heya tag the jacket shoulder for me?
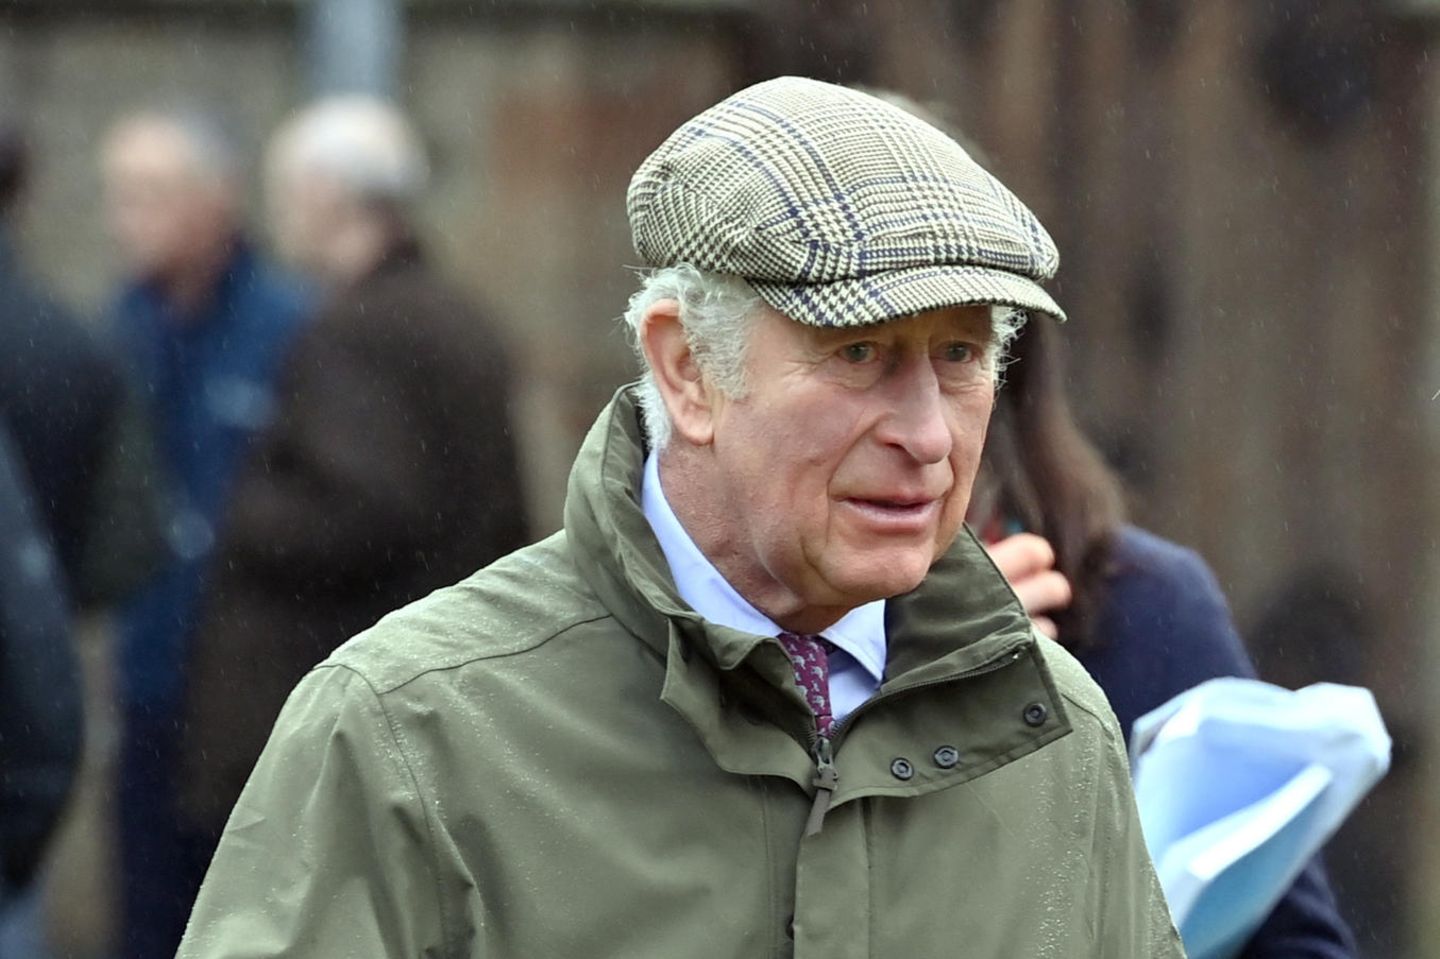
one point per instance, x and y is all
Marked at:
(1158, 565)
(1163, 627)
(1080, 691)
(510, 607)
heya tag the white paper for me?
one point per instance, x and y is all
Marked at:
(1239, 783)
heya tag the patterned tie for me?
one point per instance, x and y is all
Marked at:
(810, 657)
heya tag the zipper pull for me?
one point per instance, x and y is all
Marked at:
(826, 779)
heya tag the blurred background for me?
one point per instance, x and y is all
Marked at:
(1244, 193)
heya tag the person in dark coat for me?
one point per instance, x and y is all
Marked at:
(390, 470)
(1144, 616)
(40, 702)
(75, 426)
(202, 325)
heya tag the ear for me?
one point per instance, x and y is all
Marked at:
(688, 395)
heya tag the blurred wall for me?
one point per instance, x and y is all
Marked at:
(538, 125)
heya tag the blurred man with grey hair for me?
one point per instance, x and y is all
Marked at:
(203, 323)
(763, 695)
(390, 469)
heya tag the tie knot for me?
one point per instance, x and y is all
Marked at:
(804, 641)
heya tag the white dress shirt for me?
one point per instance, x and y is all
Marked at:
(857, 666)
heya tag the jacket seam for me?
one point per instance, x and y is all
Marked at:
(1098, 718)
(446, 925)
(449, 667)
(867, 823)
(771, 887)
(1096, 916)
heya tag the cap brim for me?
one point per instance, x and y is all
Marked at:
(896, 293)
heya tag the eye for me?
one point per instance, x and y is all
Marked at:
(958, 352)
(857, 352)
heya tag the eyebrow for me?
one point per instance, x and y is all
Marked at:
(962, 323)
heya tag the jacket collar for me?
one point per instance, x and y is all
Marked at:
(215, 311)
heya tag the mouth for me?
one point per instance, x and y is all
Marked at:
(897, 514)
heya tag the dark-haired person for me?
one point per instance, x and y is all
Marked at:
(1143, 615)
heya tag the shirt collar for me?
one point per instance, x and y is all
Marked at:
(860, 632)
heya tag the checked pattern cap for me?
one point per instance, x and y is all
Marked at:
(839, 209)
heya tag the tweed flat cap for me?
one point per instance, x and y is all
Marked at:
(838, 208)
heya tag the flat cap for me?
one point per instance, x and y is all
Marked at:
(838, 208)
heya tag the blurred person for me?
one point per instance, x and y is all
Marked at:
(1144, 616)
(762, 695)
(203, 325)
(41, 724)
(81, 448)
(390, 469)
(75, 426)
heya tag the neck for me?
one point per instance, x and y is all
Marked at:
(357, 251)
(685, 480)
(190, 286)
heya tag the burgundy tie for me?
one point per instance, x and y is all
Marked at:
(810, 657)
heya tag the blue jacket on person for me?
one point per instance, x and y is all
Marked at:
(206, 380)
(1164, 627)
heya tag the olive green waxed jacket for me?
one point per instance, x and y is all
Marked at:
(557, 758)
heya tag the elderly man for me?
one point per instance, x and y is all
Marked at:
(761, 696)
(203, 325)
(390, 469)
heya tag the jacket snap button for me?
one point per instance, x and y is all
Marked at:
(1035, 714)
(947, 757)
(901, 769)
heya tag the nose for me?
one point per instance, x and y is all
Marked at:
(916, 421)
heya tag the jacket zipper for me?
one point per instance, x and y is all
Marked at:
(825, 781)
(822, 748)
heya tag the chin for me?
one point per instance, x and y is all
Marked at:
(897, 580)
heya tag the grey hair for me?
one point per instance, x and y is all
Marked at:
(715, 311)
(364, 143)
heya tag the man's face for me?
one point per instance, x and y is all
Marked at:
(846, 468)
(303, 211)
(162, 209)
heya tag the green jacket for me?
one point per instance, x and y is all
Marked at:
(557, 758)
